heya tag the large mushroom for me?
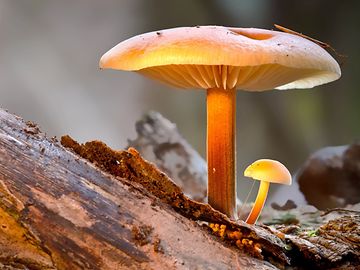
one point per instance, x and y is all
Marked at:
(221, 60)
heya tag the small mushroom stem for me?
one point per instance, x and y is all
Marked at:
(221, 108)
(259, 202)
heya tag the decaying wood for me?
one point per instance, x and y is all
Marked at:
(59, 211)
(323, 239)
(129, 165)
(303, 246)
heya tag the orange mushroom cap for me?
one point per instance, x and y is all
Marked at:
(268, 170)
(215, 56)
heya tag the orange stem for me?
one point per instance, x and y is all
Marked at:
(221, 107)
(259, 202)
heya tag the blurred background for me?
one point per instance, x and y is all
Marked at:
(49, 53)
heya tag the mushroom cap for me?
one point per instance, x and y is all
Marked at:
(225, 57)
(268, 170)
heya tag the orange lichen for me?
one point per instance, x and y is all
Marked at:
(234, 235)
(237, 238)
(222, 231)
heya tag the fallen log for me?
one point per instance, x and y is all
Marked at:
(106, 209)
(59, 211)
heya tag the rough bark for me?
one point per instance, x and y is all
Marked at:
(58, 211)
(106, 209)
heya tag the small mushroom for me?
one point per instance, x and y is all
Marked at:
(221, 60)
(266, 171)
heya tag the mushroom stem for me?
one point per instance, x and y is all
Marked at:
(259, 202)
(221, 107)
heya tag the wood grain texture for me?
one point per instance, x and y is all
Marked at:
(106, 209)
(58, 211)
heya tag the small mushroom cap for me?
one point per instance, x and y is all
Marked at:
(215, 56)
(268, 170)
